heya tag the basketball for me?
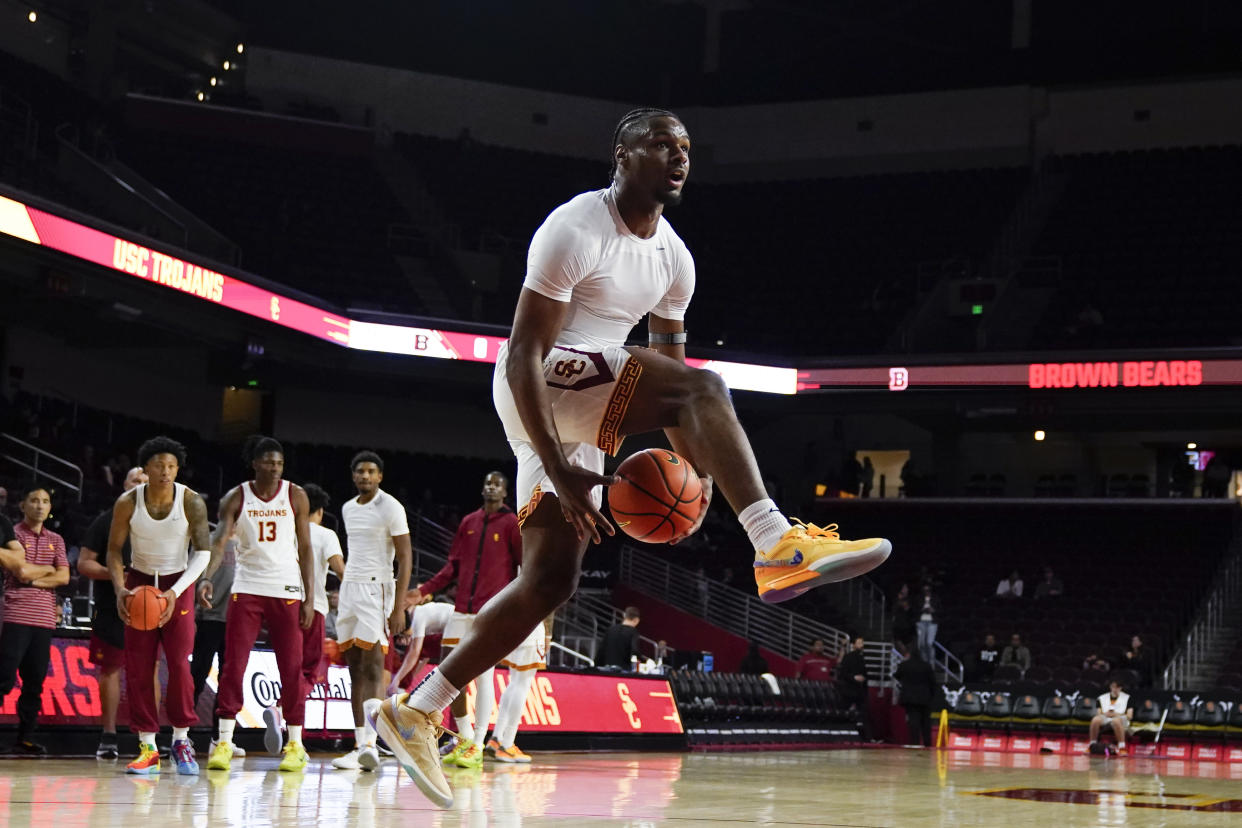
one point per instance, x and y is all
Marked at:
(145, 606)
(658, 496)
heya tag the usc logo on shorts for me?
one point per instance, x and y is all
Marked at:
(569, 368)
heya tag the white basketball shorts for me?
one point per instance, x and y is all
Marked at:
(590, 392)
(362, 613)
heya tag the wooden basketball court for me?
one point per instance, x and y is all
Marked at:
(881, 787)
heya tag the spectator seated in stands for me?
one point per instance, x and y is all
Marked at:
(1011, 587)
(1050, 586)
(1093, 663)
(816, 664)
(1115, 712)
(1137, 658)
(1017, 653)
(988, 658)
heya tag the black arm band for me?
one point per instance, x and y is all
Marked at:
(678, 338)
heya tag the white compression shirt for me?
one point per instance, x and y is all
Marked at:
(160, 547)
(585, 254)
(369, 530)
(430, 619)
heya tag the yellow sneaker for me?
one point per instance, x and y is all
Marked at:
(511, 754)
(220, 757)
(808, 556)
(453, 755)
(295, 757)
(412, 736)
(470, 756)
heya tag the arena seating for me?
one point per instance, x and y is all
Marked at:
(1133, 231)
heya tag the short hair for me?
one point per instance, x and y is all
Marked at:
(27, 491)
(367, 456)
(631, 613)
(257, 445)
(317, 497)
(626, 125)
(499, 474)
(160, 445)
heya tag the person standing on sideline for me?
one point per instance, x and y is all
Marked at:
(162, 520)
(852, 679)
(107, 631)
(815, 663)
(210, 617)
(271, 586)
(326, 550)
(30, 615)
(484, 558)
(568, 390)
(918, 689)
(377, 533)
(619, 646)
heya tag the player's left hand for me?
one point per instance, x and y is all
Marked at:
(307, 615)
(170, 606)
(706, 501)
(414, 597)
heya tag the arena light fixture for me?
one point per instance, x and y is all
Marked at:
(227, 65)
(241, 48)
(1191, 446)
(199, 96)
(214, 81)
(33, 17)
(1039, 435)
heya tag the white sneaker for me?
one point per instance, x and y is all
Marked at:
(368, 758)
(274, 738)
(238, 752)
(349, 761)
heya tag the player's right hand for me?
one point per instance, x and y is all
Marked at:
(205, 592)
(413, 597)
(574, 485)
(122, 604)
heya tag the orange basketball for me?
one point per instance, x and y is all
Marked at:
(145, 606)
(658, 496)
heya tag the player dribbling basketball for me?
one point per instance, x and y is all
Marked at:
(567, 389)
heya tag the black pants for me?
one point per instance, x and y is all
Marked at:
(26, 651)
(918, 720)
(863, 714)
(208, 641)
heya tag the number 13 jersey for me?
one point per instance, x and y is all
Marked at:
(267, 546)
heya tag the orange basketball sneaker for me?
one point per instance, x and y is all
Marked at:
(808, 556)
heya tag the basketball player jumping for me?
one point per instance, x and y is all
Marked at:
(162, 520)
(272, 585)
(567, 390)
(377, 532)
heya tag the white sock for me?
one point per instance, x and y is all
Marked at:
(512, 706)
(146, 738)
(465, 726)
(764, 524)
(360, 736)
(433, 693)
(226, 730)
(180, 733)
(484, 702)
(295, 733)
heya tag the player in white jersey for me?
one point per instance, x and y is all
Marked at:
(326, 548)
(428, 618)
(272, 584)
(567, 390)
(162, 520)
(376, 534)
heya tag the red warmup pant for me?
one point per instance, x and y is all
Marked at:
(314, 670)
(142, 654)
(241, 628)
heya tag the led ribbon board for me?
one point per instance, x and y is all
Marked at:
(140, 261)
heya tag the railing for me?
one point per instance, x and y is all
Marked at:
(1191, 656)
(589, 615)
(948, 663)
(864, 601)
(37, 456)
(574, 654)
(738, 612)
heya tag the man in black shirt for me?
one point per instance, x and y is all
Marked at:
(918, 689)
(852, 679)
(620, 644)
(989, 657)
(107, 630)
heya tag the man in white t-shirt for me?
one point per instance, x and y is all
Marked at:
(376, 534)
(1115, 712)
(567, 390)
(326, 550)
(427, 619)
